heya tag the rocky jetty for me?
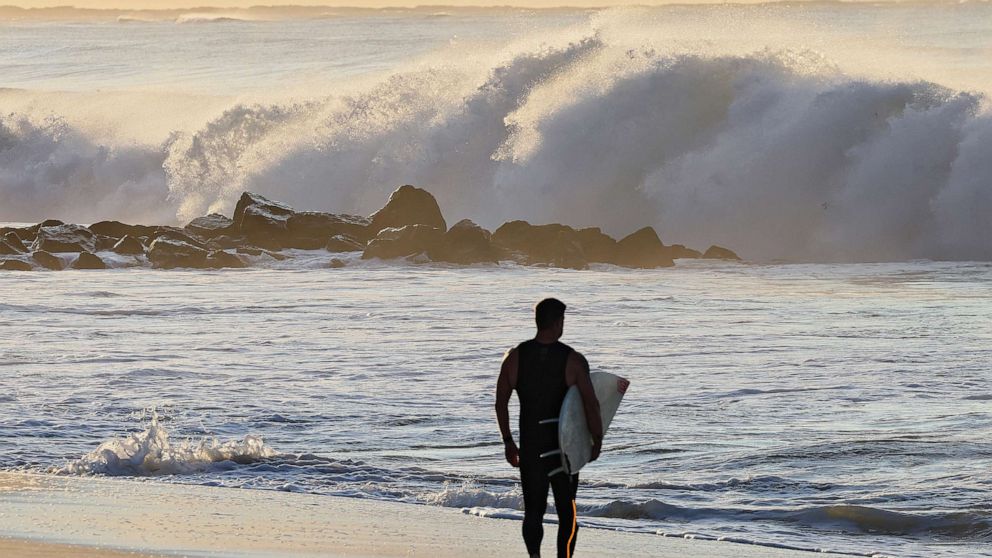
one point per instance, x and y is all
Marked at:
(410, 226)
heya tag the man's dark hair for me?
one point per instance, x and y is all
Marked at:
(547, 312)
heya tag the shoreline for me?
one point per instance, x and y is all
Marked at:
(51, 515)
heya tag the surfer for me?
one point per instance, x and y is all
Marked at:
(541, 371)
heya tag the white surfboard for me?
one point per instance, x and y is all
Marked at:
(574, 440)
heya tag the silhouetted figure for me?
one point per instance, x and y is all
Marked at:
(541, 371)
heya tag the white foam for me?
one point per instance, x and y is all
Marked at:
(152, 453)
(776, 151)
(469, 495)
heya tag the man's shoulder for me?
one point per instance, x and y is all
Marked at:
(575, 356)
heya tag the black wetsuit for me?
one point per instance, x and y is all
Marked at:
(541, 389)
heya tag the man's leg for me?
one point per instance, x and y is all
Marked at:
(565, 488)
(534, 483)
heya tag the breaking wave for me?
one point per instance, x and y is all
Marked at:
(777, 153)
(151, 453)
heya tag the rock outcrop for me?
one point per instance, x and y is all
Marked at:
(209, 226)
(116, 229)
(465, 243)
(408, 205)
(48, 261)
(28, 234)
(344, 243)
(643, 249)
(173, 233)
(64, 238)
(6, 249)
(219, 259)
(311, 228)
(720, 253)
(527, 243)
(678, 251)
(166, 253)
(260, 219)
(13, 242)
(596, 245)
(86, 260)
(15, 265)
(273, 225)
(129, 246)
(403, 241)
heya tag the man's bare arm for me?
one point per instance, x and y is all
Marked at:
(504, 389)
(577, 373)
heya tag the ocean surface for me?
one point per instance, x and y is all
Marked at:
(839, 407)
(810, 399)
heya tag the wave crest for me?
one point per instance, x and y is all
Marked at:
(775, 152)
(152, 453)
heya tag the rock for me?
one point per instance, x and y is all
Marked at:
(6, 249)
(87, 260)
(28, 234)
(129, 246)
(14, 241)
(465, 243)
(312, 228)
(48, 261)
(104, 243)
(257, 217)
(225, 242)
(116, 229)
(408, 205)
(64, 238)
(15, 265)
(336, 263)
(250, 251)
(209, 226)
(403, 241)
(596, 245)
(643, 249)
(678, 251)
(174, 233)
(220, 259)
(344, 243)
(553, 244)
(720, 253)
(533, 242)
(567, 252)
(167, 253)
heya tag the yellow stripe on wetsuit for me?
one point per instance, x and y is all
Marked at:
(575, 519)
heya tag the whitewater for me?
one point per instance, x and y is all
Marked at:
(832, 393)
(827, 132)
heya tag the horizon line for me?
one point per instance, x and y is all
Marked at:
(494, 6)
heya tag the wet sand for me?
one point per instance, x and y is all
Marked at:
(45, 515)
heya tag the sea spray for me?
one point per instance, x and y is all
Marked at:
(150, 452)
(777, 150)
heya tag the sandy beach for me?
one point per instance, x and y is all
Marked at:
(46, 515)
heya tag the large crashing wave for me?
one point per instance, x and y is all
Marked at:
(776, 154)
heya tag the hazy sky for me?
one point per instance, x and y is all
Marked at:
(146, 4)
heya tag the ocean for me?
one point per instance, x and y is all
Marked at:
(832, 393)
(840, 407)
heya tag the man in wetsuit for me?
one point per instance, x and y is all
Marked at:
(541, 371)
